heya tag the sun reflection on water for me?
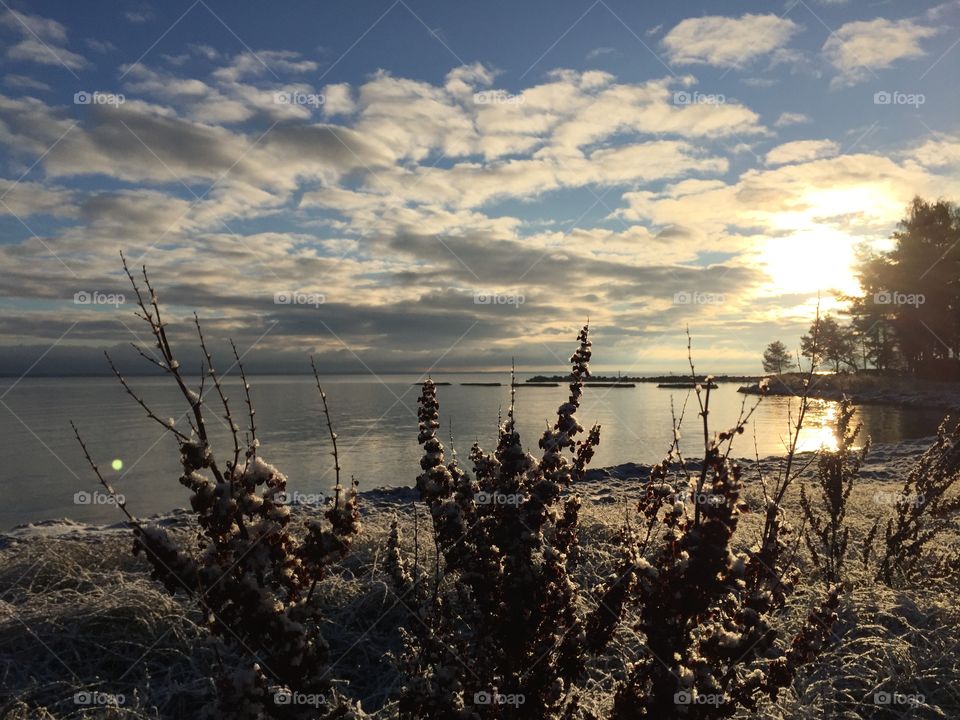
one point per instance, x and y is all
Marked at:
(818, 431)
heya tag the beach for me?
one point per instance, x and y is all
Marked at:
(73, 595)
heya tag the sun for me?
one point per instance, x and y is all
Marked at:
(819, 259)
(812, 253)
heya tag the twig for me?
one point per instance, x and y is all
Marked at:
(333, 435)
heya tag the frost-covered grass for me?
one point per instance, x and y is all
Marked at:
(80, 614)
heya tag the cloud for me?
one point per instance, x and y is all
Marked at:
(35, 51)
(264, 62)
(25, 198)
(338, 99)
(100, 46)
(726, 41)
(399, 198)
(597, 52)
(139, 14)
(791, 118)
(802, 151)
(858, 50)
(22, 81)
(43, 41)
(938, 152)
(861, 194)
(34, 26)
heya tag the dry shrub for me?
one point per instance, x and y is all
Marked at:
(828, 536)
(498, 633)
(252, 578)
(926, 508)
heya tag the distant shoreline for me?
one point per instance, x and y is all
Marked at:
(867, 389)
(671, 379)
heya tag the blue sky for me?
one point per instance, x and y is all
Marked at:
(433, 185)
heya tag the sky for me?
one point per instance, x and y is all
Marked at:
(443, 186)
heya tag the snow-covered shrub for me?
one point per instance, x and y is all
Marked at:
(709, 613)
(928, 506)
(498, 633)
(250, 575)
(828, 536)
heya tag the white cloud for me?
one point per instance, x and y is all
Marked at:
(32, 50)
(34, 26)
(360, 193)
(263, 62)
(43, 41)
(597, 52)
(22, 81)
(937, 152)
(338, 99)
(791, 118)
(140, 14)
(858, 50)
(802, 151)
(100, 46)
(726, 41)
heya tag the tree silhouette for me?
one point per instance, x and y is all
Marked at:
(777, 359)
(828, 343)
(911, 303)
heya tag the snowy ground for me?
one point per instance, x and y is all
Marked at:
(79, 614)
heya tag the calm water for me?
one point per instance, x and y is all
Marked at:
(375, 419)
